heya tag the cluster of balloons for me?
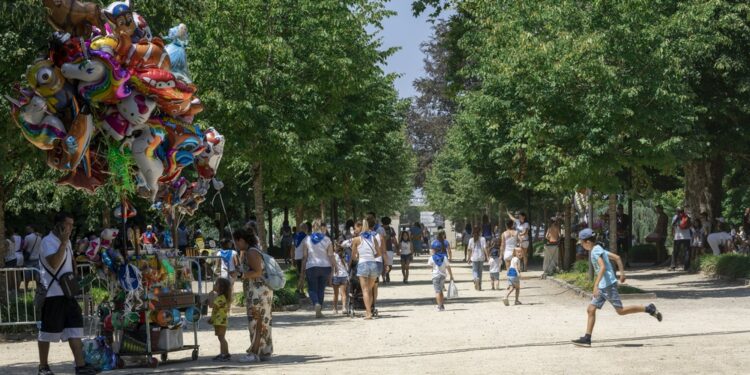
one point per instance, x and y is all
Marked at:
(107, 83)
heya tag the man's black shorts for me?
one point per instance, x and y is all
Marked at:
(61, 320)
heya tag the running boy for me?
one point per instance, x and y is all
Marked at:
(605, 285)
(440, 264)
(514, 276)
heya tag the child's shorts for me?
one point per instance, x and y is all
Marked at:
(514, 281)
(610, 294)
(340, 280)
(438, 283)
(494, 276)
(220, 330)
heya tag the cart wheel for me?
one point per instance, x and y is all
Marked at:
(153, 362)
(163, 357)
(195, 354)
(119, 362)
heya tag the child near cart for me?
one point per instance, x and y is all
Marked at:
(514, 276)
(440, 270)
(221, 298)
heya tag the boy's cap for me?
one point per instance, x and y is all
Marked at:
(585, 234)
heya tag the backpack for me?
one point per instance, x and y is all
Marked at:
(273, 275)
(685, 222)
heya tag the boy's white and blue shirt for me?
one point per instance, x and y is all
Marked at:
(609, 274)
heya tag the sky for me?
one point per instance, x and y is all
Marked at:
(407, 32)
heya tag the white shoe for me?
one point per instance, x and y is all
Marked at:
(250, 358)
(318, 311)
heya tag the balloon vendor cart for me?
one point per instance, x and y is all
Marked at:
(111, 104)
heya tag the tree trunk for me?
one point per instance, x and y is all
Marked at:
(286, 214)
(322, 211)
(335, 218)
(613, 223)
(106, 214)
(703, 189)
(270, 227)
(299, 215)
(259, 204)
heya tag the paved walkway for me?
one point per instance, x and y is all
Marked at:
(706, 330)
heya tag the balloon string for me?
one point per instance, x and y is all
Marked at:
(221, 200)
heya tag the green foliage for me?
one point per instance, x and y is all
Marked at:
(581, 280)
(732, 266)
(283, 297)
(580, 266)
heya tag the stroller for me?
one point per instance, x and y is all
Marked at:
(356, 300)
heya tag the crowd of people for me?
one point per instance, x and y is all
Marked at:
(361, 256)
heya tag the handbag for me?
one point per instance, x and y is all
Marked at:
(452, 290)
(67, 281)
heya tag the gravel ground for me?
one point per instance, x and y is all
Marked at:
(705, 331)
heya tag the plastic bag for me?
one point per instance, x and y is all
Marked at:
(452, 290)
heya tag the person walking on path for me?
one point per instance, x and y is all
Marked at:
(660, 234)
(682, 231)
(495, 263)
(522, 229)
(416, 238)
(514, 278)
(299, 240)
(465, 239)
(32, 246)
(509, 242)
(551, 248)
(62, 319)
(406, 255)
(318, 262)
(605, 286)
(258, 298)
(367, 248)
(479, 255)
(391, 244)
(440, 270)
(220, 299)
(340, 278)
(623, 233)
(441, 245)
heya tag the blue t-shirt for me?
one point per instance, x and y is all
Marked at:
(436, 246)
(609, 274)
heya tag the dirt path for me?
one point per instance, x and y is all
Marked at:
(706, 330)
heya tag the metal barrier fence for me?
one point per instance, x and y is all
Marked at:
(17, 296)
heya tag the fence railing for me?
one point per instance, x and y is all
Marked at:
(17, 291)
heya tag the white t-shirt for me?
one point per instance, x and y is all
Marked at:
(477, 249)
(515, 263)
(521, 228)
(33, 242)
(50, 244)
(494, 265)
(298, 251)
(441, 270)
(405, 248)
(317, 255)
(10, 255)
(368, 249)
(227, 267)
(716, 239)
(342, 271)
(680, 234)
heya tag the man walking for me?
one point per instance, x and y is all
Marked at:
(681, 229)
(551, 247)
(605, 285)
(62, 319)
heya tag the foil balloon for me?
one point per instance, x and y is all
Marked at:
(175, 317)
(73, 16)
(107, 323)
(150, 168)
(47, 80)
(178, 37)
(131, 320)
(173, 96)
(164, 318)
(144, 54)
(125, 210)
(136, 109)
(208, 161)
(117, 320)
(129, 277)
(100, 77)
(192, 314)
(39, 127)
(73, 149)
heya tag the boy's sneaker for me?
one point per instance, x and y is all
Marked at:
(582, 342)
(45, 370)
(250, 358)
(651, 310)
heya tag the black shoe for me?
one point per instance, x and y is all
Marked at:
(222, 358)
(651, 310)
(86, 370)
(582, 342)
(45, 370)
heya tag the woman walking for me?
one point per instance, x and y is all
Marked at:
(317, 261)
(367, 248)
(509, 242)
(479, 255)
(405, 252)
(258, 297)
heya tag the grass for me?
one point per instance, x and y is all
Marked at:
(732, 266)
(282, 297)
(578, 276)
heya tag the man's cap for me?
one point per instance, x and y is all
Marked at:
(585, 234)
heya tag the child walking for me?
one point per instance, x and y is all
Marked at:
(440, 270)
(221, 297)
(605, 285)
(514, 276)
(495, 263)
(340, 278)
